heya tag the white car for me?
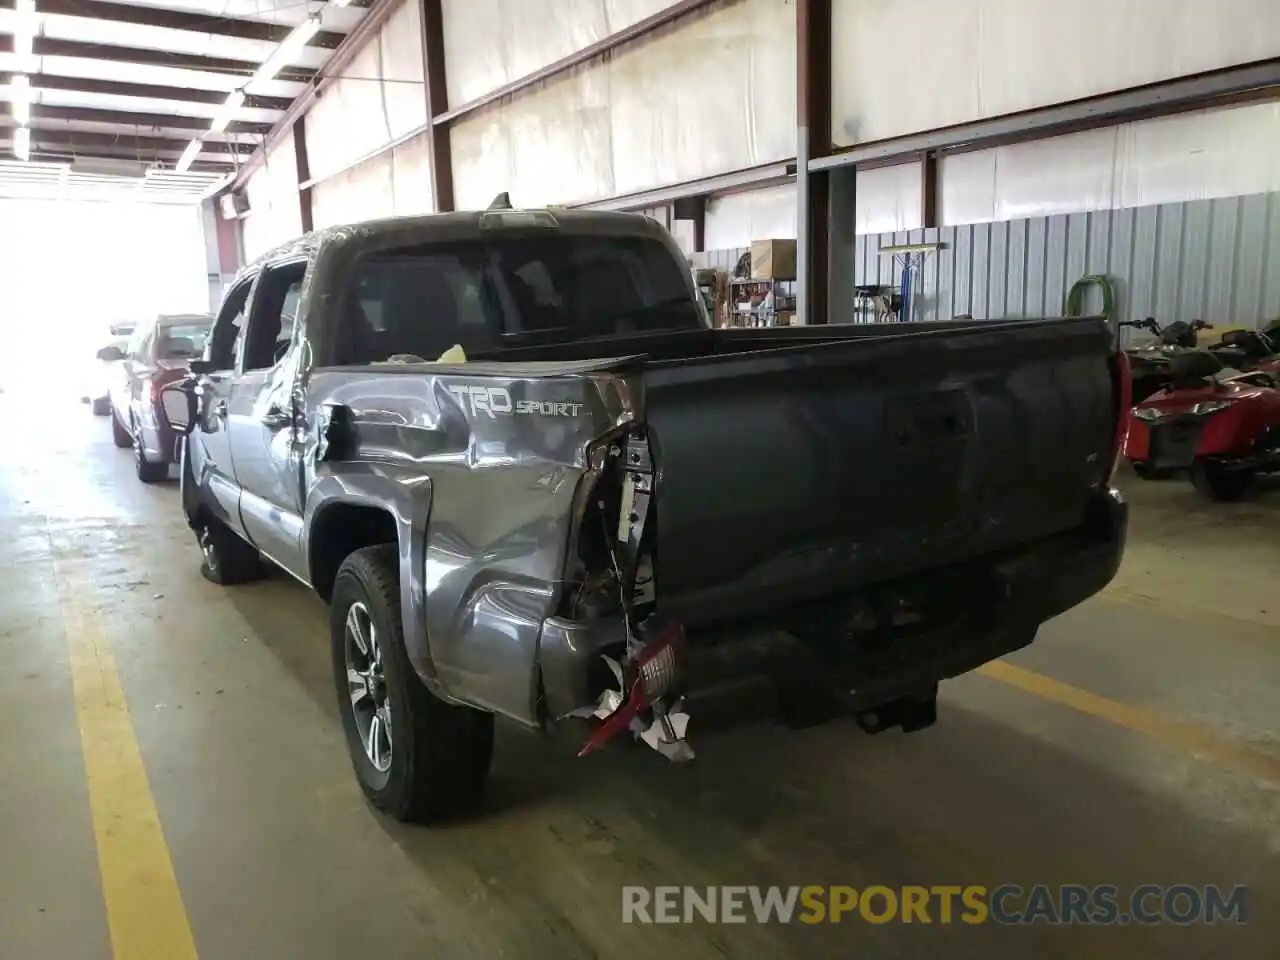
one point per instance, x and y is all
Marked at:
(103, 373)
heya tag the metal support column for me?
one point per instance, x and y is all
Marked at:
(929, 189)
(694, 210)
(843, 250)
(304, 173)
(437, 104)
(813, 141)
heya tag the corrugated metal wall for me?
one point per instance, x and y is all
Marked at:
(1217, 260)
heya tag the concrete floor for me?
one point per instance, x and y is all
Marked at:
(1136, 741)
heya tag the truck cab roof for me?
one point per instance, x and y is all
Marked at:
(461, 225)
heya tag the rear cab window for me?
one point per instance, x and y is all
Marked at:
(480, 293)
(182, 341)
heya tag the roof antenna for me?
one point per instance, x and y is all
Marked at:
(501, 202)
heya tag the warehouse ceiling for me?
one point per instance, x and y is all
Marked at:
(155, 99)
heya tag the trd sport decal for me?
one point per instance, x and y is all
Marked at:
(496, 401)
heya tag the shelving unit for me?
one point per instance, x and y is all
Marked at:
(752, 303)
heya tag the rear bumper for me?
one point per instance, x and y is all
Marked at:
(1167, 445)
(808, 661)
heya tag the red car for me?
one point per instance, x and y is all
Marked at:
(157, 354)
(1223, 431)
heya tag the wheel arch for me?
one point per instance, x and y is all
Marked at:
(338, 529)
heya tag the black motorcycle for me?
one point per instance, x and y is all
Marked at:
(1149, 365)
(1247, 350)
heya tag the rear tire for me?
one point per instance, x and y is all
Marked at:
(228, 560)
(148, 470)
(440, 752)
(120, 434)
(1217, 483)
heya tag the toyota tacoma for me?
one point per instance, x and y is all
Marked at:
(530, 480)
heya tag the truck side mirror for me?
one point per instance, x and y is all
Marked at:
(178, 406)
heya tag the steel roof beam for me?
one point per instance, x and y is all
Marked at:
(153, 91)
(127, 142)
(176, 20)
(128, 118)
(112, 53)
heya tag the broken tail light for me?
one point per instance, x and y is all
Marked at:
(652, 674)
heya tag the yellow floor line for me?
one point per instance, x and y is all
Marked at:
(1261, 624)
(144, 907)
(1173, 733)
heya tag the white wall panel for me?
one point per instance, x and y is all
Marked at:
(1197, 156)
(274, 212)
(716, 95)
(554, 146)
(379, 96)
(489, 43)
(365, 192)
(1001, 56)
(888, 199)
(411, 183)
(736, 219)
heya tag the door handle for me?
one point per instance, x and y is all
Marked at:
(277, 417)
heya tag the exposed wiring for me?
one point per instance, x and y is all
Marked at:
(622, 585)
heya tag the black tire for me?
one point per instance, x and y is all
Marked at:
(227, 560)
(148, 471)
(101, 406)
(440, 753)
(120, 434)
(1220, 484)
(1147, 472)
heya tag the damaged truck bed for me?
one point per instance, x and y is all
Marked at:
(612, 513)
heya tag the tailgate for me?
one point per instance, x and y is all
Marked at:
(791, 474)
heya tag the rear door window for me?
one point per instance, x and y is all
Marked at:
(227, 334)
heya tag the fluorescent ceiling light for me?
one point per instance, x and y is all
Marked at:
(22, 143)
(20, 96)
(188, 156)
(288, 50)
(227, 112)
(24, 28)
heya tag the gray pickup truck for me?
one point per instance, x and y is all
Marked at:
(610, 511)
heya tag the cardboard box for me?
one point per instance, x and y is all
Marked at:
(786, 318)
(773, 260)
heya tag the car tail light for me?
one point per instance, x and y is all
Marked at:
(655, 670)
(657, 663)
(1124, 391)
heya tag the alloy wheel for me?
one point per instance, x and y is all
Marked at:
(209, 550)
(367, 686)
